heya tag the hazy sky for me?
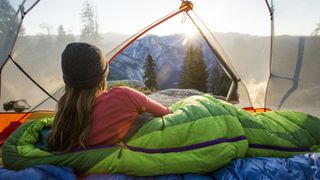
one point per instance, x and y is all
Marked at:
(129, 16)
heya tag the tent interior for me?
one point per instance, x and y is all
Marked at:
(271, 47)
(278, 75)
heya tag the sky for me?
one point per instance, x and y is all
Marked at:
(130, 16)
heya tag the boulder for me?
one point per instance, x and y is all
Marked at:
(168, 97)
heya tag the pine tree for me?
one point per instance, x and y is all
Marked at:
(63, 38)
(90, 26)
(193, 73)
(150, 77)
(7, 14)
(186, 71)
(61, 33)
(220, 81)
(316, 30)
(200, 71)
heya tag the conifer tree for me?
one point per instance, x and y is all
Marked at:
(150, 77)
(63, 38)
(220, 81)
(7, 14)
(316, 30)
(200, 71)
(186, 70)
(193, 73)
(90, 26)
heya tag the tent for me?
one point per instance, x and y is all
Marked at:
(273, 65)
(269, 49)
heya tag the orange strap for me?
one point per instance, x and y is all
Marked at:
(255, 110)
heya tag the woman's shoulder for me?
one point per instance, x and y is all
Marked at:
(113, 93)
(121, 89)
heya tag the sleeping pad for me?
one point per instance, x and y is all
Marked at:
(201, 135)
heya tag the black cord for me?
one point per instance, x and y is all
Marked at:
(28, 76)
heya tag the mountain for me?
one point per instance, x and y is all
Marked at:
(168, 53)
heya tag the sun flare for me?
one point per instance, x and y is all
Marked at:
(190, 30)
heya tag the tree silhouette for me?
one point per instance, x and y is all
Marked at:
(193, 73)
(200, 71)
(316, 30)
(220, 81)
(186, 70)
(63, 38)
(90, 27)
(7, 13)
(8, 29)
(150, 77)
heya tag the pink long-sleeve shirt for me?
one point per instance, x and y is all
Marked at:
(114, 112)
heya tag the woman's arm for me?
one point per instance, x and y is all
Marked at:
(136, 125)
(147, 108)
(143, 103)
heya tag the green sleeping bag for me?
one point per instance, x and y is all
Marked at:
(202, 135)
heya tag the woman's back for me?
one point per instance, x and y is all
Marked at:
(115, 111)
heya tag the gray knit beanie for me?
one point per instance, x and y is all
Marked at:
(83, 65)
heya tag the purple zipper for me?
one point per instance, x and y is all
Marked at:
(188, 148)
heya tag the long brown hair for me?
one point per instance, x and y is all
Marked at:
(72, 121)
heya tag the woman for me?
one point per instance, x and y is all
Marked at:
(87, 114)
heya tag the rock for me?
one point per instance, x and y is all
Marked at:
(168, 97)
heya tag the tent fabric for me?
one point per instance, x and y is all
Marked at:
(11, 121)
(204, 134)
(294, 82)
(287, 79)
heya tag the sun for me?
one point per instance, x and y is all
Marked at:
(189, 29)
